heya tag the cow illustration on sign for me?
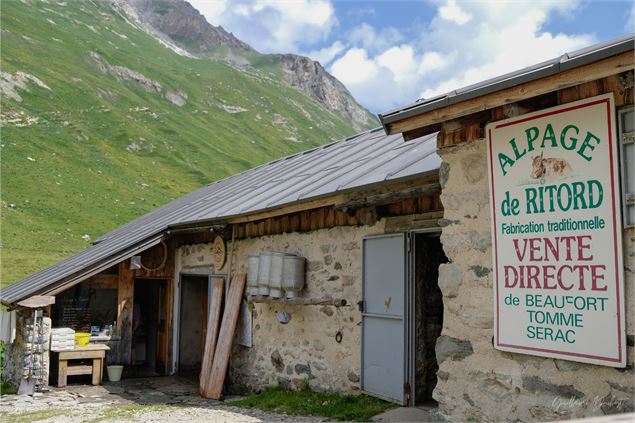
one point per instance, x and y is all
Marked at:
(549, 168)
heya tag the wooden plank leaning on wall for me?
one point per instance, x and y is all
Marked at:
(125, 309)
(226, 335)
(211, 338)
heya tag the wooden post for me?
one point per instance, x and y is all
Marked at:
(226, 335)
(62, 373)
(96, 371)
(211, 338)
(125, 310)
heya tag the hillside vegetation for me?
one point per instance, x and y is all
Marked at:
(102, 123)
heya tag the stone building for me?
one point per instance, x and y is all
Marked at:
(477, 382)
(403, 296)
(343, 207)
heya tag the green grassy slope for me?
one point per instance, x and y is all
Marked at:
(95, 150)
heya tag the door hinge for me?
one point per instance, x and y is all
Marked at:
(360, 305)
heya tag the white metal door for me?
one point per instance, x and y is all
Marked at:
(383, 323)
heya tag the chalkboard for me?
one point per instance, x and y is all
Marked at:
(74, 312)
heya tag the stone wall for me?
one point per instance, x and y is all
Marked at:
(20, 356)
(304, 350)
(476, 381)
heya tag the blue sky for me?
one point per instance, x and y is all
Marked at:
(390, 53)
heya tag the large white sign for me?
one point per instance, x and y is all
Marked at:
(556, 233)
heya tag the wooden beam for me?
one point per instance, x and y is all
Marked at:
(337, 302)
(389, 197)
(411, 222)
(125, 310)
(597, 70)
(102, 281)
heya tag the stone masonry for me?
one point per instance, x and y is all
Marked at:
(476, 381)
(29, 353)
(305, 350)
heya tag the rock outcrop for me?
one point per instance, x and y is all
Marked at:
(182, 24)
(312, 79)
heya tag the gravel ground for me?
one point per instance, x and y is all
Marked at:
(167, 399)
(149, 413)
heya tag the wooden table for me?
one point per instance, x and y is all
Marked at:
(94, 352)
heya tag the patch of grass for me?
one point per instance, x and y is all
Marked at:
(125, 412)
(308, 403)
(5, 387)
(31, 416)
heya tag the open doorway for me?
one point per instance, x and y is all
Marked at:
(149, 328)
(428, 312)
(193, 323)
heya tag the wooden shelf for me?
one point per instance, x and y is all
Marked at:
(337, 302)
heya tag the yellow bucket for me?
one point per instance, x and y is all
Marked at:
(82, 338)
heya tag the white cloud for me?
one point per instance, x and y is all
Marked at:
(459, 47)
(327, 54)
(354, 67)
(212, 10)
(509, 37)
(361, 12)
(452, 12)
(630, 22)
(400, 61)
(272, 26)
(432, 61)
(365, 36)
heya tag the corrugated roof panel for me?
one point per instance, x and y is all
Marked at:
(394, 161)
(367, 162)
(420, 166)
(355, 162)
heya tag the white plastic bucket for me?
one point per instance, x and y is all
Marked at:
(264, 267)
(292, 275)
(252, 274)
(114, 372)
(275, 275)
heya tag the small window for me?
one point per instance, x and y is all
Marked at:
(626, 120)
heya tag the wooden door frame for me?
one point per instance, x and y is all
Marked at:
(169, 292)
(205, 308)
(177, 296)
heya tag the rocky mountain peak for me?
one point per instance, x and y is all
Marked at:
(178, 25)
(179, 21)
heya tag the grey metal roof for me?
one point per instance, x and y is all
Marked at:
(565, 62)
(363, 160)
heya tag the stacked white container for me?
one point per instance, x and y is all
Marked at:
(62, 339)
(275, 274)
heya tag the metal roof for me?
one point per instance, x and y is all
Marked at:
(565, 62)
(360, 161)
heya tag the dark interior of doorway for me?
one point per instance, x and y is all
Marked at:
(145, 328)
(193, 322)
(428, 255)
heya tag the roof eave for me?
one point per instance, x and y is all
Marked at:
(565, 62)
